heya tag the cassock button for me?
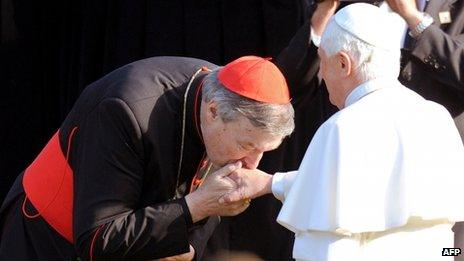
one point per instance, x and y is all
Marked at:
(406, 75)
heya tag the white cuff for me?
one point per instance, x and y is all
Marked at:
(281, 184)
(316, 39)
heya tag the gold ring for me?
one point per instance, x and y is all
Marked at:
(248, 200)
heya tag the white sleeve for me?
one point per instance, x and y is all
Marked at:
(281, 184)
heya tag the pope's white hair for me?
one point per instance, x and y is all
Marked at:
(369, 61)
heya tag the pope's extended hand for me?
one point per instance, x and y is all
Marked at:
(250, 184)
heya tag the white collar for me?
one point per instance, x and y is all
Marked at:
(367, 87)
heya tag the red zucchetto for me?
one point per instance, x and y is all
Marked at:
(256, 78)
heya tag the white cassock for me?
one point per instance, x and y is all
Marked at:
(382, 179)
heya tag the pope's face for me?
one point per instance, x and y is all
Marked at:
(328, 73)
(236, 140)
(340, 75)
(329, 70)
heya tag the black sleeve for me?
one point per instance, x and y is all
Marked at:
(443, 55)
(108, 181)
(299, 61)
(200, 234)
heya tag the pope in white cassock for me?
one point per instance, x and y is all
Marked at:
(382, 179)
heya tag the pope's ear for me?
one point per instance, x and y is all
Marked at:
(345, 63)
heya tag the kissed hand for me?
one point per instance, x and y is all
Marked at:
(250, 184)
(204, 201)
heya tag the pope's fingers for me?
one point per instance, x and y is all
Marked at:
(234, 196)
(233, 175)
(243, 205)
(236, 208)
(232, 184)
(227, 198)
(236, 178)
(227, 169)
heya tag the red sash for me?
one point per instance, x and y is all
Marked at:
(48, 183)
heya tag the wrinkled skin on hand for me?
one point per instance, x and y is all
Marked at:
(250, 184)
(204, 201)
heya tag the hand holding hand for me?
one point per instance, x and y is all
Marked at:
(204, 201)
(250, 184)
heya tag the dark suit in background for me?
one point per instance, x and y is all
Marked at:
(434, 65)
(436, 69)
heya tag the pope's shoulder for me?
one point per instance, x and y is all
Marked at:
(387, 107)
